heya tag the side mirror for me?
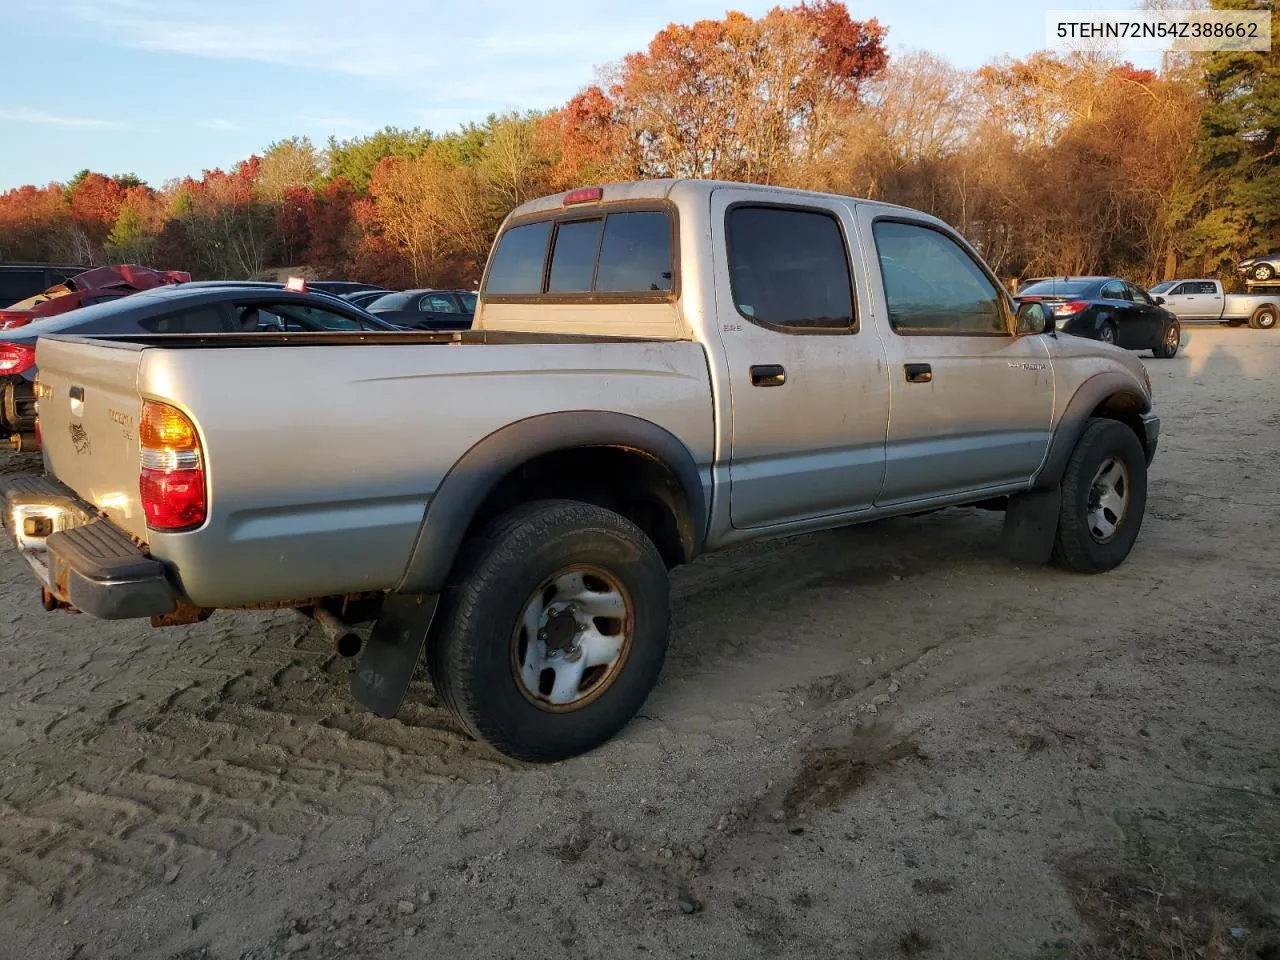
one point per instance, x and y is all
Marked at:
(1032, 318)
(1159, 300)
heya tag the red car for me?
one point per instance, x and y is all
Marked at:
(92, 286)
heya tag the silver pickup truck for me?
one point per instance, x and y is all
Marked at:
(656, 370)
(1204, 299)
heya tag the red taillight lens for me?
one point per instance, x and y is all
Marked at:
(16, 358)
(172, 499)
(171, 482)
(11, 321)
(1070, 308)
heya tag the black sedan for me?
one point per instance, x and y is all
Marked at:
(427, 309)
(1108, 309)
(209, 307)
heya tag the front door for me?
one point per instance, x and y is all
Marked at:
(1194, 300)
(971, 404)
(807, 380)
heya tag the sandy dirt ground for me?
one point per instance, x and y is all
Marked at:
(884, 741)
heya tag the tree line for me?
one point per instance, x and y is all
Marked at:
(1049, 164)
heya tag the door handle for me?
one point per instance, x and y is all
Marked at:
(918, 372)
(768, 375)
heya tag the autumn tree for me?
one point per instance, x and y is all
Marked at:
(293, 162)
(742, 98)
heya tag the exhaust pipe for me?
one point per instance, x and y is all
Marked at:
(346, 640)
(24, 443)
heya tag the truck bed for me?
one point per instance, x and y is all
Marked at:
(321, 460)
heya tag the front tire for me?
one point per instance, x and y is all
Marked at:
(1264, 318)
(1104, 496)
(553, 630)
(1167, 349)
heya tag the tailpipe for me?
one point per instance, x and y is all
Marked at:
(24, 443)
(347, 642)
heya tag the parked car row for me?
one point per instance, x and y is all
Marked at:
(1115, 310)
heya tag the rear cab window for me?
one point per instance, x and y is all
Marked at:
(605, 254)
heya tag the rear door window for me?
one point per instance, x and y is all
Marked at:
(209, 319)
(1115, 291)
(789, 268)
(437, 303)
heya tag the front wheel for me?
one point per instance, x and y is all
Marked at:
(1168, 347)
(1263, 271)
(553, 631)
(1264, 318)
(1104, 495)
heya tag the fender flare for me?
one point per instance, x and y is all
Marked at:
(1087, 398)
(477, 472)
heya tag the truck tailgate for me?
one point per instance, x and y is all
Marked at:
(88, 410)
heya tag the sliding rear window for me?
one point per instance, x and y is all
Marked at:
(619, 254)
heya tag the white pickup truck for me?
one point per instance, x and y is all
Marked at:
(1203, 299)
(656, 370)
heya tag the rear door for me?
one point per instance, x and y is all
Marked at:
(808, 386)
(1148, 317)
(88, 407)
(1119, 303)
(971, 404)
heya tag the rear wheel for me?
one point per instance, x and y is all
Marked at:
(1168, 347)
(554, 629)
(1107, 332)
(1264, 318)
(1263, 271)
(1104, 495)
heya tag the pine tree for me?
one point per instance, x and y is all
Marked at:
(1239, 143)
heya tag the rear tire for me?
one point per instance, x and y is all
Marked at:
(503, 656)
(1167, 349)
(1263, 271)
(1104, 495)
(1264, 318)
(1107, 333)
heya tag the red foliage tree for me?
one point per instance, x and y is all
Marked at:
(95, 204)
(331, 226)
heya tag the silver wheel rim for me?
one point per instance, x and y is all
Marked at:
(1172, 338)
(1262, 273)
(572, 639)
(1107, 335)
(1267, 320)
(1108, 499)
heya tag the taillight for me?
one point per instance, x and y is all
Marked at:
(16, 357)
(11, 321)
(172, 479)
(1070, 308)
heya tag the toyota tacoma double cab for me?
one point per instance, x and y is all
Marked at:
(656, 370)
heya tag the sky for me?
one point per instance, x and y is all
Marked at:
(166, 88)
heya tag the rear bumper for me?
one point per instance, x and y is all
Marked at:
(1151, 428)
(80, 558)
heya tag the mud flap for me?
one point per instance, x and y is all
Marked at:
(391, 655)
(1030, 525)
